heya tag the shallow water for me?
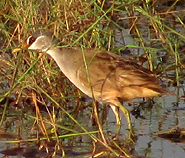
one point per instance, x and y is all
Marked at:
(163, 116)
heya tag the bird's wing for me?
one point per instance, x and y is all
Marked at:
(98, 73)
(111, 73)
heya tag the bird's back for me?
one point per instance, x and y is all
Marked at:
(112, 77)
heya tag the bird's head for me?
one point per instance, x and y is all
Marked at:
(41, 41)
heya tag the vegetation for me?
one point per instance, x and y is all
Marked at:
(36, 96)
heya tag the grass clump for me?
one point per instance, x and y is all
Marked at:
(148, 31)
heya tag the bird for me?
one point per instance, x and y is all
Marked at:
(103, 75)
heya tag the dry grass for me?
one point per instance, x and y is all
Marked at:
(35, 81)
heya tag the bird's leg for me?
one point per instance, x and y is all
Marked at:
(115, 109)
(127, 115)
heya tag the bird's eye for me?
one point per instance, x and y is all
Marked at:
(31, 40)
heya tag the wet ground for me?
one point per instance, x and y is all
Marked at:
(21, 130)
(163, 114)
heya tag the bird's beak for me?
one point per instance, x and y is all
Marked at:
(25, 46)
(16, 50)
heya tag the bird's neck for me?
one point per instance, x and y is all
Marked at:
(55, 53)
(67, 59)
(62, 55)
